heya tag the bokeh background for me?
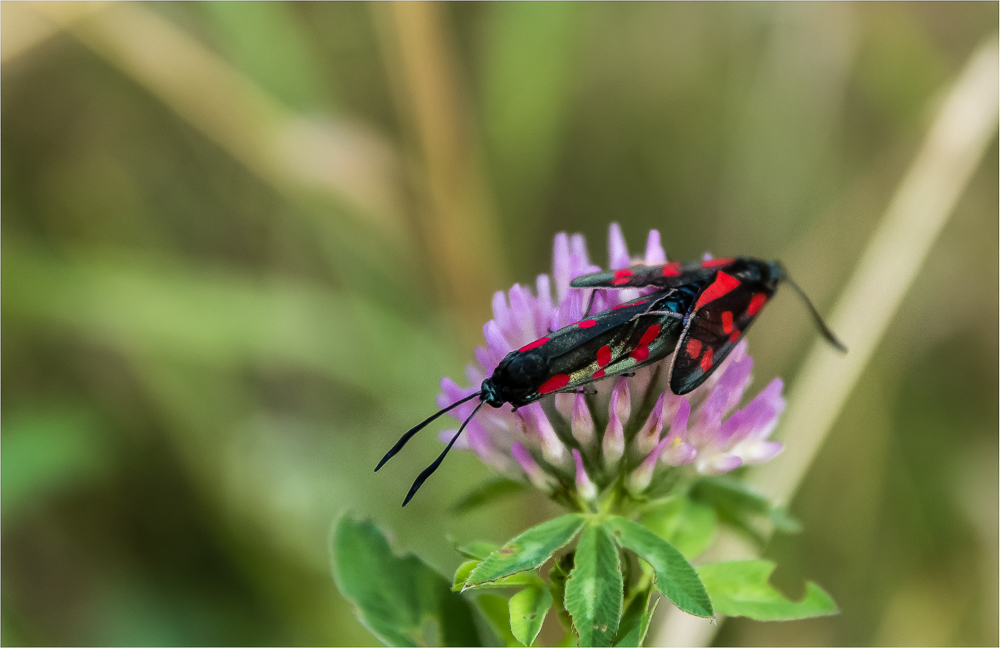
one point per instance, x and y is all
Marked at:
(241, 243)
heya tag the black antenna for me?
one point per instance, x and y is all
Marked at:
(409, 435)
(429, 470)
(824, 329)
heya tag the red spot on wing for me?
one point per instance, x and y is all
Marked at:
(727, 322)
(598, 374)
(587, 323)
(693, 347)
(706, 360)
(531, 345)
(640, 353)
(756, 303)
(650, 334)
(672, 269)
(734, 336)
(603, 356)
(627, 305)
(723, 284)
(621, 277)
(557, 381)
(715, 263)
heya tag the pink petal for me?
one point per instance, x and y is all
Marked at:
(654, 251)
(617, 251)
(560, 265)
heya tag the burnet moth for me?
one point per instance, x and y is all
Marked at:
(699, 313)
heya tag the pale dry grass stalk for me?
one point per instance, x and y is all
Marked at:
(457, 222)
(963, 128)
(292, 153)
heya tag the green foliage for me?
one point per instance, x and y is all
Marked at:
(495, 609)
(675, 577)
(635, 621)
(527, 613)
(607, 605)
(594, 589)
(740, 588)
(207, 346)
(396, 596)
(739, 506)
(528, 550)
(687, 524)
(477, 549)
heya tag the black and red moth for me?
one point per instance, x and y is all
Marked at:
(699, 313)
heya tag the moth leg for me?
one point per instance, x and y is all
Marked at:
(667, 313)
(590, 303)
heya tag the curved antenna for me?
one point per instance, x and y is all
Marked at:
(824, 329)
(420, 426)
(429, 470)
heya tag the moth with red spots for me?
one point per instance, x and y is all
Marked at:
(731, 294)
(699, 314)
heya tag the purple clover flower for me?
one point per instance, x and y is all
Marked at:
(633, 427)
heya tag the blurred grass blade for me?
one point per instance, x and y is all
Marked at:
(529, 74)
(458, 222)
(951, 152)
(221, 319)
(46, 450)
(267, 42)
(964, 126)
(350, 163)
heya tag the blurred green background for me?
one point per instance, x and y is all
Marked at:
(241, 243)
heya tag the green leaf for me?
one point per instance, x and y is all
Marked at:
(477, 549)
(635, 621)
(395, 597)
(497, 614)
(783, 520)
(730, 494)
(462, 573)
(687, 524)
(594, 589)
(740, 588)
(50, 449)
(675, 577)
(527, 612)
(486, 493)
(528, 550)
(520, 579)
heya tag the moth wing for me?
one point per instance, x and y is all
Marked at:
(666, 275)
(712, 332)
(576, 360)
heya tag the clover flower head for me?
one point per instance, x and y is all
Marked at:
(633, 429)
